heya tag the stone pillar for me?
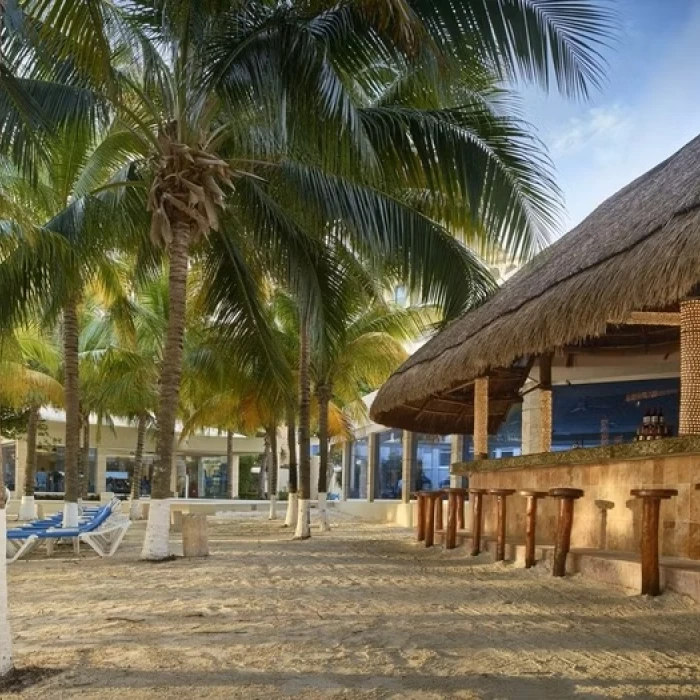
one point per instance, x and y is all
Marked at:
(531, 421)
(456, 456)
(20, 466)
(689, 421)
(371, 465)
(101, 472)
(481, 417)
(407, 460)
(545, 437)
(236, 474)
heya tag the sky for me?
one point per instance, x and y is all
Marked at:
(648, 108)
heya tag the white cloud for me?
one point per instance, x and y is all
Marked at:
(595, 132)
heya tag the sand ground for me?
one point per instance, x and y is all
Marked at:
(361, 612)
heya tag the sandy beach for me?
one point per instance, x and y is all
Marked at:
(361, 612)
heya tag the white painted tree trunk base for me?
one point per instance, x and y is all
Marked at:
(156, 543)
(5, 633)
(303, 528)
(273, 508)
(71, 515)
(292, 508)
(135, 510)
(28, 509)
(323, 521)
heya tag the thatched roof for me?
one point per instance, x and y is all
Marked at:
(638, 250)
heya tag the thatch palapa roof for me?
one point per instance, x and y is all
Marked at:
(638, 250)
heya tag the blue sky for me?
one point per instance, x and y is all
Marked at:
(648, 108)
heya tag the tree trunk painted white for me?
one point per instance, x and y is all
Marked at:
(323, 520)
(27, 508)
(135, 511)
(156, 543)
(292, 508)
(303, 529)
(71, 515)
(273, 508)
(5, 634)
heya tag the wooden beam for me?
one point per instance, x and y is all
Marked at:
(650, 318)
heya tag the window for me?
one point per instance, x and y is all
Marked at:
(357, 487)
(589, 415)
(432, 462)
(389, 464)
(400, 296)
(9, 466)
(507, 442)
(50, 470)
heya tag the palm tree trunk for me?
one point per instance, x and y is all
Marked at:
(72, 406)
(303, 531)
(323, 396)
(135, 509)
(85, 457)
(156, 544)
(27, 509)
(230, 471)
(292, 503)
(272, 477)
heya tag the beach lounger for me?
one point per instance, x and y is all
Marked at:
(102, 530)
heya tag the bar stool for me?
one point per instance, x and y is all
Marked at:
(531, 523)
(603, 507)
(455, 504)
(501, 496)
(432, 498)
(651, 504)
(562, 544)
(439, 525)
(477, 518)
(420, 515)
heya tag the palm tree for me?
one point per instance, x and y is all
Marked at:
(60, 227)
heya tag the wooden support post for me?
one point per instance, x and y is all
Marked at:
(481, 417)
(604, 507)
(689, 420)
(562, 543)
(501, 496)
(461, 496)
(477, 518)
(531, 524)
(420, 516)
(451, 531)
(430, 497)
(545, 442)
(438, 511)
(651, 504)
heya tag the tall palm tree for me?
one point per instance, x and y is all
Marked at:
(60, 228)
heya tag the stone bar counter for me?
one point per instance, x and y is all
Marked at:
(606, 474)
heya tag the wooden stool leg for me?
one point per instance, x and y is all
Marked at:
(476, 525)
(420, 522)
(650, 547)
(501, 534)
(530, 524)
(563, 540)
(451, 533)
(460, 511)
(429, 523)
(438, 513)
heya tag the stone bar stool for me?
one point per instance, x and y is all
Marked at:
(651, 504)
(432, 500)
(531, 523)
(420, 516)
(455, 506)
(501, 496)
(477, 518)
(603, 507)
(562, 544)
